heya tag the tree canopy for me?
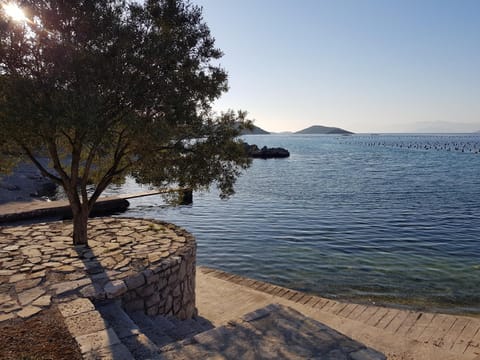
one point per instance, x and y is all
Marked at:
(109, 88)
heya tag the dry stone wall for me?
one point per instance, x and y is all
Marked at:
(168, 289)
(148, 265)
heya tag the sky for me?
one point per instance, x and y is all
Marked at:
(362, 65)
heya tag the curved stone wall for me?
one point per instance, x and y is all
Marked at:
(148, 265)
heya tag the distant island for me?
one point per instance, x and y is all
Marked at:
(255, 131)
(315, 129)
(319, 129)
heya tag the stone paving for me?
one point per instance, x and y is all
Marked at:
(400, 334)
(39, 265)
(272, 332)
(149, 266)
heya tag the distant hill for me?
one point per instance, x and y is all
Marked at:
(318, 129)
(255, 131)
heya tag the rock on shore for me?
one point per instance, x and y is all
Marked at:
(266, 153)
(25, 184)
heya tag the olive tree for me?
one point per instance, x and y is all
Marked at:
(110, 88)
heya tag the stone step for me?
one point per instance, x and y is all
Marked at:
(185, 329)
(154, 330)
(142, 341)
(145, 335)
(119, 320)
(273, 332)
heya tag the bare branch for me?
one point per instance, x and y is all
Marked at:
(42, 169)
(75, 163)
(69, 138)
(52, 149)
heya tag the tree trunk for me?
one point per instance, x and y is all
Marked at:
(80, 220)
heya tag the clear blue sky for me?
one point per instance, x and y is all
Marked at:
(363, 65)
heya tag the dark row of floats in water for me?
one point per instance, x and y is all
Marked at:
(466, 146)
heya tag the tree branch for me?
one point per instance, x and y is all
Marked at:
(52, 149)
(76, 154)
(69, 138)
(42, 169)
(110, 174)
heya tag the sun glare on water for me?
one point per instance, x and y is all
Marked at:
(14, 11)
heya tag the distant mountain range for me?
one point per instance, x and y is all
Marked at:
(316, 129)
(319, 129)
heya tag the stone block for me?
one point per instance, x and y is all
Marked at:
(27, 284)
(130, 296)
(85, 323)
(97, 340)
(75, 307)
(162, 283)
(135, 305)
(146, 291)
(27, 296)
(119, 320)
(141, 347)
(115, 288)
(28, 311)
(5, 317)
(153, 279)
(43, 301)
(169, 303)
(173, 279)
(114, 352)
(176, 291)
(182, 271)
(192, 311)
(176, 305)
(64, 287)
(9, 305)
(17, 277)
(94, 291)
(135, 281)
(152, 300)
(165, 292)
(152, 311)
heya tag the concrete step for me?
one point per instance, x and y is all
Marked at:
(154, 330)
(273, 332)
(139, 344)
(184, 329)
(144, 335)
(119, 320)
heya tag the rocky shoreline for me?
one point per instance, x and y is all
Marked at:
(26, 183)
(254, 151)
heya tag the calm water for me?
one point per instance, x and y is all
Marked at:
(369, 218)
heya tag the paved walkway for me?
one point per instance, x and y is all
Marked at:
(400, 334)
(19, 211)
(271, 333)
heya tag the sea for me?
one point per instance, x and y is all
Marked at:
(374, 218)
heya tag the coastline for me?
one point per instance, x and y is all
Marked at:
(26, 184)
(19, 213)
(398, 333)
